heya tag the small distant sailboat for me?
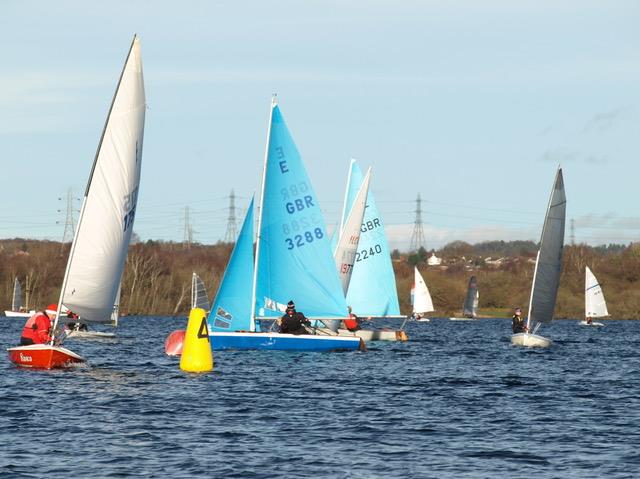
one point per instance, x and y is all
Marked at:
(99, 249)
(420, 298)
(17, 310)
(594, 303)
(199, 297)
(293, 261)
(471, 301)
(546, 276)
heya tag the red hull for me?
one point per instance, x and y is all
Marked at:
(43, 356)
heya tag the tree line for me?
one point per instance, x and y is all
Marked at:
(157, 277)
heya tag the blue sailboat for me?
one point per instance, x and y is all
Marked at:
(372, 290)
(293, 261)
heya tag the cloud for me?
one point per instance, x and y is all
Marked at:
(603, 121)
(564, 155)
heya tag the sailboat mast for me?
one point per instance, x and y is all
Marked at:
(274, 102)
(66, 270)
(86, 193)
(344, 202)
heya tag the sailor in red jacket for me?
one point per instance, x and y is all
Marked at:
(36, 329)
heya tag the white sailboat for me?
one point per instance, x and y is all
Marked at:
(17, 310)
(546, 276)
(471, 301)
(594, 303)
(420, 298)
(99, 249)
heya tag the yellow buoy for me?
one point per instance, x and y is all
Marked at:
(196, 351)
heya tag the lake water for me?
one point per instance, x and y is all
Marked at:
(456, 401)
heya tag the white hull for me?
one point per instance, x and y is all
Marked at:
(368, 334)
(422, 320)
(89, 335)
(584, 323)
(19, 314)
(530, 340)
(463, 319)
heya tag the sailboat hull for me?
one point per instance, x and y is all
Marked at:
(370, 334)
(530, 340)
(221, 341)
(43, 356)
(463, 319)
(584, 323)
(19, 314)
(90, 335)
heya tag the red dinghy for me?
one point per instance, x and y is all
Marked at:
(43, 356)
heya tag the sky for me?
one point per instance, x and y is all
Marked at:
(471, 104)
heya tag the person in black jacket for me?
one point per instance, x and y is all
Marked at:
(293, 322)
(517, 323)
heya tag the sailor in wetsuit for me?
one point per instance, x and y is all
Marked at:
(293, 322)
(517, 323)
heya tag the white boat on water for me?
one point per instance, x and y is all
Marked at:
(471, 301)
(17, 310)
(420, 298)
(101, 241)
(594, 303)
(546, 276)
(199, 296)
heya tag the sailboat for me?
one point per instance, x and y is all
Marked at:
(420, 298)
(594, 303)
(293, 261)
(17, 311)
(372, 289)
(470, 307)
(99, 249)
(546, 276)
(199, 298)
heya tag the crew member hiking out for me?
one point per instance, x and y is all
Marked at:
(293, 322)
(517, 323)
(36, 330)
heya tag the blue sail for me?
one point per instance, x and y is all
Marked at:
(231, 309)
(372, 290)
(294, 254)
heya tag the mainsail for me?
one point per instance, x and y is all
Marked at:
(231, 309)
(546, 276)
(372, 289)
(420, 297)
(293, 255)
(199, 298)
(345, 251)
(16, 301)
(470, 308)
(594, 303)
(100, 244)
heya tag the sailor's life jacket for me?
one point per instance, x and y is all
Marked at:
(36, 329)
(517, 324)
(352, 324)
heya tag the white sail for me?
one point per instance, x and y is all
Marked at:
(422, 302)
(16, 302)
(594, 303)
(199, 298)
(101, 241)
(345, 252)
(546, 276)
